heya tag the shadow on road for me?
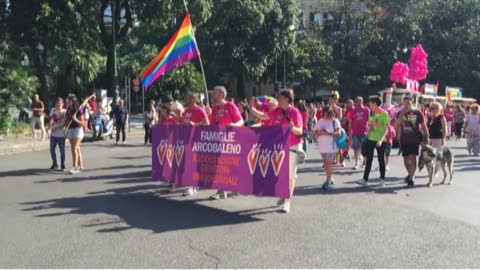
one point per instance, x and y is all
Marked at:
(119, 178)
(26, 172)
(138, 207)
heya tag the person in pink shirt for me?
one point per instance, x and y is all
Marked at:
(223, 113)
(449, 113)
(166, 116)
(358, 128)
(288, 116)
(193, 115)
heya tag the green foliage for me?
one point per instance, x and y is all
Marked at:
(313, 65)
(17, 86)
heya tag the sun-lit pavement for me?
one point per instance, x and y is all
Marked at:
(112, 215)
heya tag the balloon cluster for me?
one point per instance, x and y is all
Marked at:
(399, 73)
(418, 64)
(417, 68)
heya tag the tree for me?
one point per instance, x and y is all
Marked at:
(313, 65)
(241, 38)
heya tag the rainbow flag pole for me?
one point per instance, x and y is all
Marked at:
(181, 48)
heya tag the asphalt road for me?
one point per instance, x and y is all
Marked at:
(113, 216)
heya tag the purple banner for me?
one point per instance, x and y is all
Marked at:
(245, 160)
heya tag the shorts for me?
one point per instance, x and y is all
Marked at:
(74, 133)
(358, 140)
(328, 157)
(388, 149)
(293, 162)
(410, 150)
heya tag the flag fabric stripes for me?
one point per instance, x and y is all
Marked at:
(181, 48)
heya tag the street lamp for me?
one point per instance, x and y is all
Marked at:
(110, 23)
(291, 28)
(55, 70)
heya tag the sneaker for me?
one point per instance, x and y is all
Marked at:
(332, 182)
(74, 170)
(356, 167)
(387, 168)
(219, 195)
(362, 182)
(343, 164)
(382, 182)
(280, 202)
(286, 206)
(124, 142)
(191, 191)
(234, 194)
(54, 168)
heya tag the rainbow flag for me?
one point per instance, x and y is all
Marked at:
(181, 48)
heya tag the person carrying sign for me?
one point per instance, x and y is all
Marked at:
(223, 113)
(193, 115)
(286, 115)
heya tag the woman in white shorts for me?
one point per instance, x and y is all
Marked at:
(327, 129)
(75, 123)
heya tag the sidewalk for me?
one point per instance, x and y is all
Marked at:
(22, 143)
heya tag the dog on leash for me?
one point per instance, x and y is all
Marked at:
(429, 156)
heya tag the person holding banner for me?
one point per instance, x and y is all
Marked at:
(193, 115)
(223, 113)
(286, 115)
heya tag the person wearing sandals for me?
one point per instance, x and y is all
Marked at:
(326, 130)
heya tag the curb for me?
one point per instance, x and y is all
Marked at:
(45, 145)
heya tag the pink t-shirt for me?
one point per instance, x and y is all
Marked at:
(279, 118)
(169, 121)
(226, 114)
(449, 113)
(195, 114)
(359, 118)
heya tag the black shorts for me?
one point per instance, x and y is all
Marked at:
(388, 149)
(410, 150)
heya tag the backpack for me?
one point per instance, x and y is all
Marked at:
(341, 140)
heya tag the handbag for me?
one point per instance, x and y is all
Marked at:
(420, 136)
(341, 140)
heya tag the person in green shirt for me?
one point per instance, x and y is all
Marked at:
(378, 124)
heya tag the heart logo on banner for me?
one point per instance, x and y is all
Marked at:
(277, 161)
(253, 159)
(264, 160)
(161, 150)
(179, 154)
(170, 151)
